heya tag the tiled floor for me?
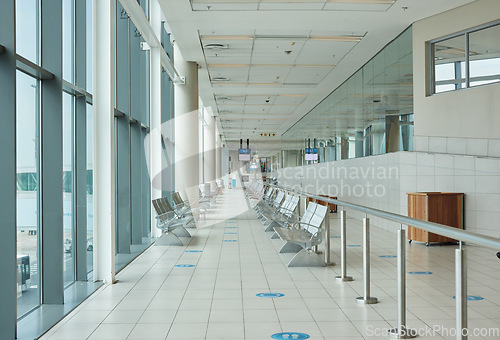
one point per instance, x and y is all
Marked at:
(216, 299)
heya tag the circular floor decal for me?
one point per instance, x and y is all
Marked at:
(353, 245)
(420, 273)
(194, 251)
(290, 335)
(184, 265)
(334, 236)
(230, 240)
(388, 256)
(230, 233)
(231, 227)
(473, 298)
(270, 295)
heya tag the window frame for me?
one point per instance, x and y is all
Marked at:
(431, 54)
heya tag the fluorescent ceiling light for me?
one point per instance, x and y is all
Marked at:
(347, 38)
(377, 2)
(344, 38)
(226, 37)
(266, 65)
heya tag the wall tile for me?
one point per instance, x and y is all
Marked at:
(444, 165)
(477, 147)
(463, 165)
(494, 148)
(456, 146)
(437, 144)
(421, 143)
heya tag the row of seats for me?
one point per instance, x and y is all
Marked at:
(277, 210)
(173, 219)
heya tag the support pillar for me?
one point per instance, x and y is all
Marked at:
(210, 149)
(186, 129)
(155, 142)
(8, 261)
(218, 155)
(104, 140)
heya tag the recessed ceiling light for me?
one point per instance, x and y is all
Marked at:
(223, 98)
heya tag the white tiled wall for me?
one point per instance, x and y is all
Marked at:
(458, 146)
(477, 177)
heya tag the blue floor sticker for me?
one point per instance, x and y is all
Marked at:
(353, 245)
(231, 222)
(230, 233)
(194, 251)
(231, 227)
(184, 265)
(388, 256)
(270, 295)
(290, 335)
(230, 240)
(473, 298)
(334, 236)
(420, 273)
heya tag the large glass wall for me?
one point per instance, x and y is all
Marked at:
(48, 161)
(369, 114)
(68, 188)
(27, 200)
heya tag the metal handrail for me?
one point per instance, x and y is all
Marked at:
(436, 228)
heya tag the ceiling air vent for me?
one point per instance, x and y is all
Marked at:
(220, 79)
(215, 46)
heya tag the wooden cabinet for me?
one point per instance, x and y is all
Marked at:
(440, 207)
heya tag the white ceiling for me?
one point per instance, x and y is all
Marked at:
(249, 79)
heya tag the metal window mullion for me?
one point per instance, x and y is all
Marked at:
(8, 244)
(51, 155)
(467, 61)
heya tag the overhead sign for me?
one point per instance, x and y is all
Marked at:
(311, 150)
(245, 151)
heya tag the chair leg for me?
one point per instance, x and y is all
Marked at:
(181, 232)
(290, 247)
(168, 239)
(305, 258)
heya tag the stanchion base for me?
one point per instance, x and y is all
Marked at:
(367, 301)
(344, 279)
(407, 334)
(331, 264)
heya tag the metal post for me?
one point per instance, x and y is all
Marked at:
(366, 299)
(327, 241)
(343, 248)
(401, 332)
(461, 292)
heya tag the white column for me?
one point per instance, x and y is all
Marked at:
(186, 129)
(155, 148)
(210, 149)
(218, 155)
(104, 140)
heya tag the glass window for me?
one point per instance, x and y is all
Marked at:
(68, 215)
(449, 59)
(90, 191)
(451, 71)
(27, 198)
(68, 18)
(89, 45)
(484, 52)
(27, 29)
